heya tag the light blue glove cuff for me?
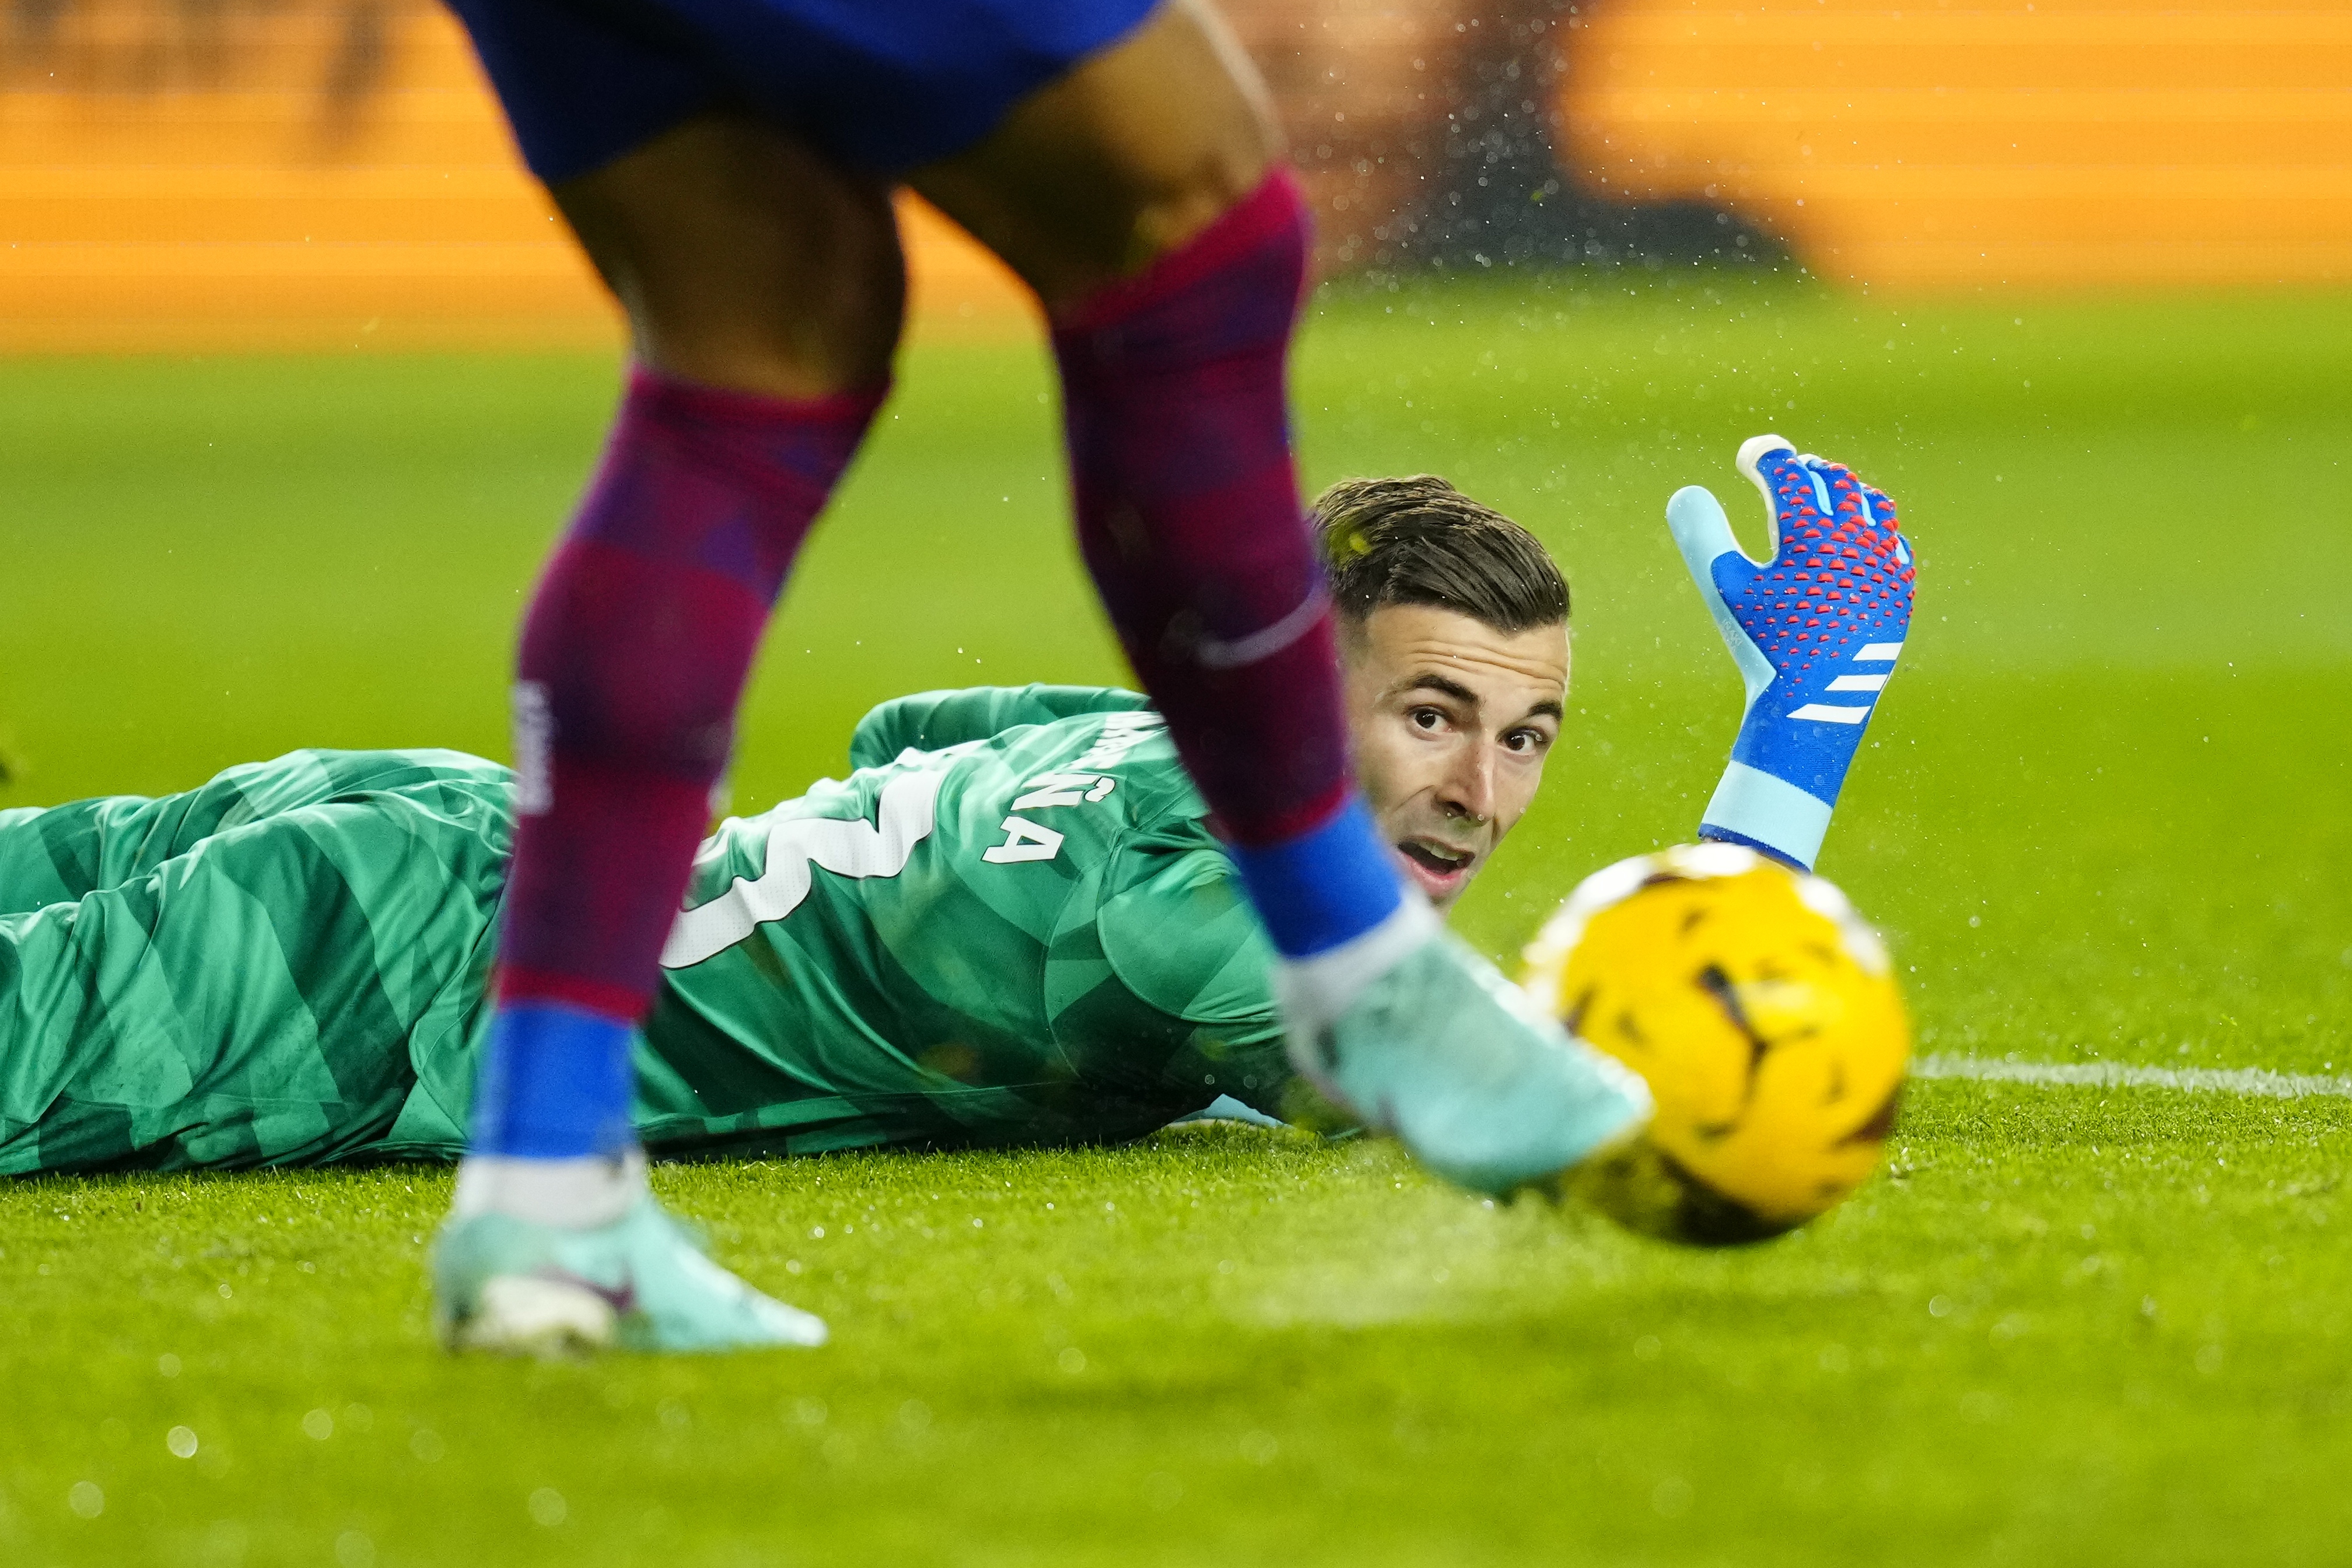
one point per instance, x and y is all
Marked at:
(1752, 807)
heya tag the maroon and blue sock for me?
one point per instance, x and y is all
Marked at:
(1189, 521)
(633, 656)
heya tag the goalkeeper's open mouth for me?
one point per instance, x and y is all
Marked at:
(1439, 870)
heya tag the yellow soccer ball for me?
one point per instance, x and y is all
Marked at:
(1763, 1015)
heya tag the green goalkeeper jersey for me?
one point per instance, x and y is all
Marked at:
(1009, 925)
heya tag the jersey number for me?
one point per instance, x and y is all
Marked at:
(799, 849)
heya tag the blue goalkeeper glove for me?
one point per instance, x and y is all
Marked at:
(1815, 630)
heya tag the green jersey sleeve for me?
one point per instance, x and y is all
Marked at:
(933, 720)
(54, 853)
(1182, 939)
(262, 971)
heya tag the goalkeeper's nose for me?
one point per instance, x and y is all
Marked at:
(1467, 792)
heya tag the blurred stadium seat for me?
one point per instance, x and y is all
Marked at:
(296, 174)
(2065, 143)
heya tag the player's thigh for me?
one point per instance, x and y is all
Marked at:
(1126, 155)
(746, 259)
(745, 255)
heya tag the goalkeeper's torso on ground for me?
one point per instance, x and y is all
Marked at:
(996, 930)
(1009, 926)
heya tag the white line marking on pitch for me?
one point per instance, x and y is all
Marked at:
(2259, 1082)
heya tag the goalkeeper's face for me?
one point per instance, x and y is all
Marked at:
(1451, 721)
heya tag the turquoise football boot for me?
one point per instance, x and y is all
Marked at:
(1469, 1074)
(512, 1286)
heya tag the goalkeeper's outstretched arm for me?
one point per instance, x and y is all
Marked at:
(1816, 628)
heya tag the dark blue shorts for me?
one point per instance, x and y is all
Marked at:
(880, 85)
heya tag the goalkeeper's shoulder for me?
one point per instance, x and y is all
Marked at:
(317, 776)
(1177, 930)
(930, 721)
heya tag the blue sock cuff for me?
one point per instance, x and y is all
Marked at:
(1325, 886)
(554, 1084)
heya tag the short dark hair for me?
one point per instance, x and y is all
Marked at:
(1419, 541)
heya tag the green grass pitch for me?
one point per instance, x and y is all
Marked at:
(2102, 818)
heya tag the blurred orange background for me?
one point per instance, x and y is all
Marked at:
(308, 174)
(2084, 142)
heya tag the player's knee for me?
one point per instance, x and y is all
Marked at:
(1187, 123)
(746, 260)
(1173, 217)
(1123, 160)
(791, 333)
(1233, 289)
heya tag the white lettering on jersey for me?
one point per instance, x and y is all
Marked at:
(801, 846)
(1121, 734)
(1063, 789)
(1024, 840)
(1082, 784)
(1078, 786)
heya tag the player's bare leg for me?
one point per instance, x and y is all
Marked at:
(746, 260)
(1092, 179)
(1141, 197)
(764, 290)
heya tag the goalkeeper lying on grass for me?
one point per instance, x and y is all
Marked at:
(1012, 924)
